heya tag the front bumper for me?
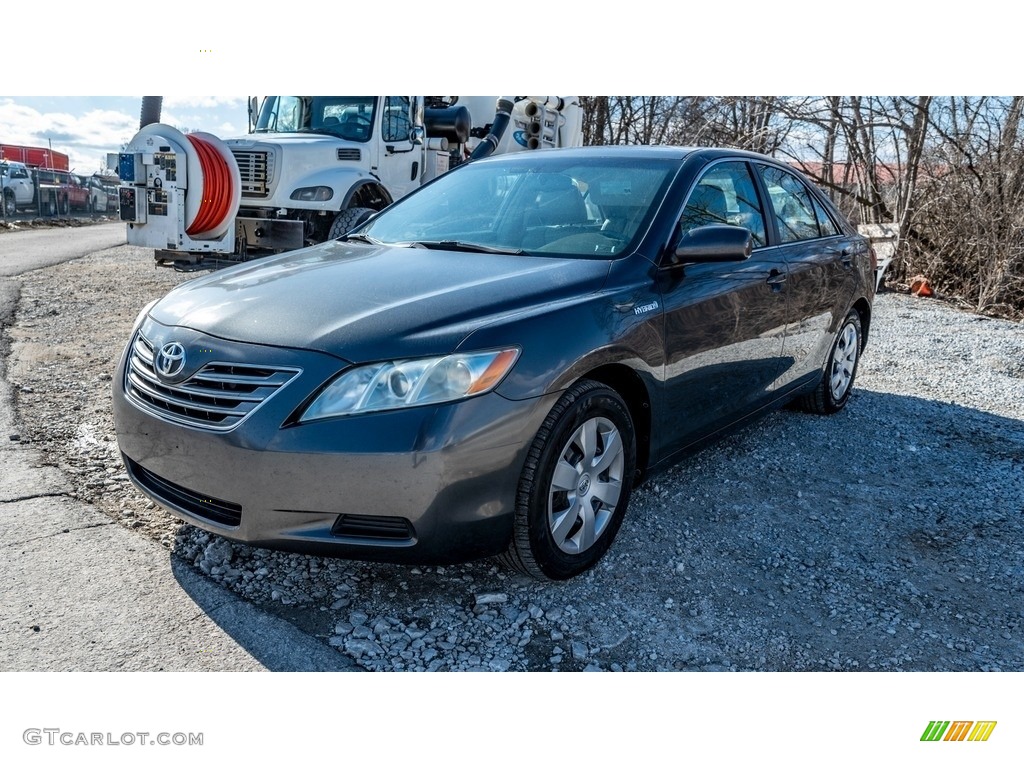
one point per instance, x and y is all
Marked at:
(433, 484)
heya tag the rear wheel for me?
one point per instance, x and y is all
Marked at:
(836, 383)
(65, 206)
(575, 485)
(348, 220)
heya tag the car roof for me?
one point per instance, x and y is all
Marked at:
(631, 151)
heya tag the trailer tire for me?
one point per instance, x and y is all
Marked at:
(348, 220)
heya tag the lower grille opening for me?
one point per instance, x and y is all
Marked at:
(371, 527)
(215, 510)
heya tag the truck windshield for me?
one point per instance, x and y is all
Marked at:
(347, 117)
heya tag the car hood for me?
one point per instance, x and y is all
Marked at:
(364, 303)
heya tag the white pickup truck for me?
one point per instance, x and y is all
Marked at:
(18, 187)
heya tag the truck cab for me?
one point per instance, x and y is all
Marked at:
(313, 166)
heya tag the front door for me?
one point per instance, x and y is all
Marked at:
(401, 161)
(724, 322)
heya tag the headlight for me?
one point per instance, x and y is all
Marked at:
(405, 383)
(142, 316)
(308, 194)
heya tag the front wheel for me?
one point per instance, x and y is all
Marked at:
(10, 204)
(575, 484)
(840, 370)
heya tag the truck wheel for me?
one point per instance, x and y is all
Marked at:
(348, 220)
(65, 207)
(10, 204)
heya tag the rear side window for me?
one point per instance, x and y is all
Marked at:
(725, 195)
(798, 215)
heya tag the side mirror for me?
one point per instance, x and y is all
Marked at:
(253, 113)
(416, 135)
(714, 242)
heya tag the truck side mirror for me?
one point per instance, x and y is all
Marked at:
(416, 135)
(253, 113)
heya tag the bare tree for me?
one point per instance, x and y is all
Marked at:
(973, 188)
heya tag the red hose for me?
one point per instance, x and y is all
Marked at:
(215, 203)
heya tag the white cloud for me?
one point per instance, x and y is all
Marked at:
(204, 102)
(86, 139)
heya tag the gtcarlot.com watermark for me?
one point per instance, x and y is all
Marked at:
(58, 737)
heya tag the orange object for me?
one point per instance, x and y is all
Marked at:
(920, 286)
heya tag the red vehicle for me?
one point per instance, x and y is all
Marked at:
(35, 157)
(76, 193)
(71, 192)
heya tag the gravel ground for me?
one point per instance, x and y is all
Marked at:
(887, 537)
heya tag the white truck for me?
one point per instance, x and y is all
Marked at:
(18, 188)
(314, 167)
(45, 191)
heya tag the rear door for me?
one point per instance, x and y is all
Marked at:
(821, 275)
(724, 322)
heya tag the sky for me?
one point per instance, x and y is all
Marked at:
(86, 128)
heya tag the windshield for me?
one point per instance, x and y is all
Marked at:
(347, 117)
(585, 208)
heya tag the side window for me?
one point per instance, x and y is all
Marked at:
(725, 195)
(397, 124)
(825, 224)
(794, 206)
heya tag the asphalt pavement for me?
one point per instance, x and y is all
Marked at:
(83, 593)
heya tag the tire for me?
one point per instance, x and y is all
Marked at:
(65, 207)
(10, 204)
(587, 441)
(348, 220)
(839, 370)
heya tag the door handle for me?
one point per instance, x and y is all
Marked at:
(776, 279)
(845, 256)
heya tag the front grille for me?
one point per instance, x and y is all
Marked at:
(254, 168)
(349, 153)
(372, 527)
(215, 510)
(218, 396)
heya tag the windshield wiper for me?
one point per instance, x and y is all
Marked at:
(359, 238)
(459, 245)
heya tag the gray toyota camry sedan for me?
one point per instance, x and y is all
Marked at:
(489, 366)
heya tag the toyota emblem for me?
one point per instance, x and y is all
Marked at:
(170, 360)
